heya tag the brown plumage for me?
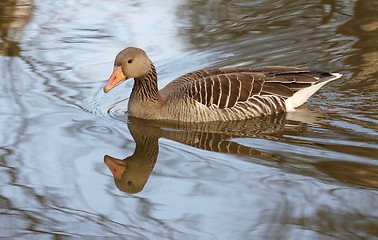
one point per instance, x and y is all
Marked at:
(216, 94)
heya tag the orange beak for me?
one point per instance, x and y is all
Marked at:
(115, 79)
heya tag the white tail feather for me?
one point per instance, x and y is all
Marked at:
(302, 95)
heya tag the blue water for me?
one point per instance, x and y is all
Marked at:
(308, 175)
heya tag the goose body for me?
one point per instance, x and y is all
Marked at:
(215, 94)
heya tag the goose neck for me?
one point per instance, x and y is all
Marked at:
(146, 87)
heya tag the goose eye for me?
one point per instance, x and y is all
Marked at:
(130, 61)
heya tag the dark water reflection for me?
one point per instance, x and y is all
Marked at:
(308, 175)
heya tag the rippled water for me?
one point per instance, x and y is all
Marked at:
(73, 165)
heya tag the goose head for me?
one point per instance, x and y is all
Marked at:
(131, 62)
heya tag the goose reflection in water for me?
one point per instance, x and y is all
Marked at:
(131, 174)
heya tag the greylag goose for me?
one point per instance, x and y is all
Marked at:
(215, 94)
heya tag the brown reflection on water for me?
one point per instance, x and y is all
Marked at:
(260, 32)
(363, 26)
(14, 15)
(326, 221)
(353, 173)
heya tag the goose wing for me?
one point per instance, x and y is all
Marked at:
(225, 87)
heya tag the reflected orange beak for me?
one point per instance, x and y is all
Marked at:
(116, 166)
(115, 79)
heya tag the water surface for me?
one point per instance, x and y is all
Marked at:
(72, 164)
